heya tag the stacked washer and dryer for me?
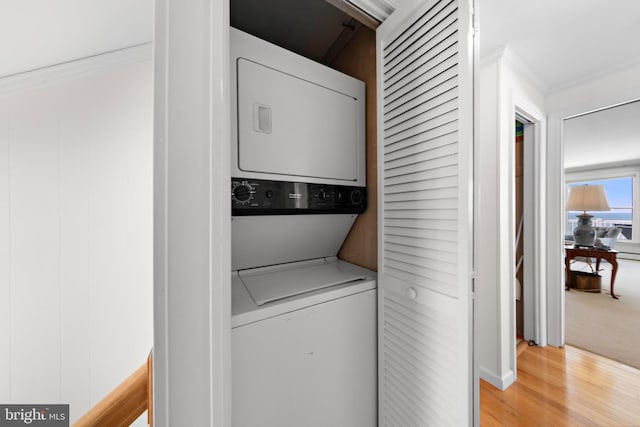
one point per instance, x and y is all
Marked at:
(304, 322)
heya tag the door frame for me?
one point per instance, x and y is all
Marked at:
(534, 223)
(606, 93)
(192, 213)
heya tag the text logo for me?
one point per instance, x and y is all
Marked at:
(34, 415)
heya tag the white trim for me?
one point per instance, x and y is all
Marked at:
(379, 9)
(594, 76)
(626, 255)
(501, 383)
(632, 163)
(529, 216)
(517, 64)
(555, 240)
(508, 57)
(535, 223)
(467, 49)
(492, 57)
(556, 202)
(599, 173)
(47, 75)
(192, 215)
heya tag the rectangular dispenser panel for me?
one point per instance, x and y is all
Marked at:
(291, 126)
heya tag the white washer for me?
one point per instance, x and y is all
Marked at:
(309, 359)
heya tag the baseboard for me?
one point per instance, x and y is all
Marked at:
(628, 255)
(501, 383)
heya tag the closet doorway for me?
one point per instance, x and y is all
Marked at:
(524, 229)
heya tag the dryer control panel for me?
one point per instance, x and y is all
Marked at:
(266, 197)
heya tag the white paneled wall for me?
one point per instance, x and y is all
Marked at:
(75, 236)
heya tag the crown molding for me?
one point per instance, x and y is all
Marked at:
(518, 65)
(47, 75)
(604, 73)
(506, 55)
(379, 9)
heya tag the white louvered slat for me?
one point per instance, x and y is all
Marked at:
(437, 85)
(429, 213)
(424, 96)
(418, 145)
(429, 139)
(409, 61)
(444, 60)
(411, 243)
(438, 193)
(438, 267)
(438, 254)
(436, 158)
(426, 184)
(410, 126)
(418, 205)
(406, 171)
(434, 235)
(439, 145)
(422, 224)
(421, 175)
(413, 33)
(418, 109)
(419, 345)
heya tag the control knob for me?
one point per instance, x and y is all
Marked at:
(356, 197)
(242, 192)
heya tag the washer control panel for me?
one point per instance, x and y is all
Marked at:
(265, 197)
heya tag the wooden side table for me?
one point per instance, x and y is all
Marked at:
(611, 256)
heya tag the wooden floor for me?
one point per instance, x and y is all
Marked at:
(564, 387)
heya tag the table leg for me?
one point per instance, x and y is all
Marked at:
(567, 282)
(614, 270)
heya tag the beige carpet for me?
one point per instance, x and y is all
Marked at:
(603, 325)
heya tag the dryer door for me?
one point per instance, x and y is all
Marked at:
(291, 126)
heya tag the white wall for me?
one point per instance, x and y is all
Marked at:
(75, 235)
(502, 89)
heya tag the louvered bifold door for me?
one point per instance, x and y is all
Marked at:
(425, 153)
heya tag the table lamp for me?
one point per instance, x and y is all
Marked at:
(586, 198)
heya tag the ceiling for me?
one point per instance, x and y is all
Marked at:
(563, 42)
(36, 33)
(609, 136)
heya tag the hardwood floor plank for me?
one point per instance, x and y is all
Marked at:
(564, 387)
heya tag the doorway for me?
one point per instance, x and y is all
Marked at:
(524, 195)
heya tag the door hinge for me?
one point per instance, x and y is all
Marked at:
(474, 22)
(474, 278)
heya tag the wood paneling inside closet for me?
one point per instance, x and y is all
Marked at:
(358, 59)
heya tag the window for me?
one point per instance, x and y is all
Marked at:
(620, 196)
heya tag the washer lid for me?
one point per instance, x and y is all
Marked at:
(273, 285)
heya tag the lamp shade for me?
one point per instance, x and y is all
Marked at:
(587, 198)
